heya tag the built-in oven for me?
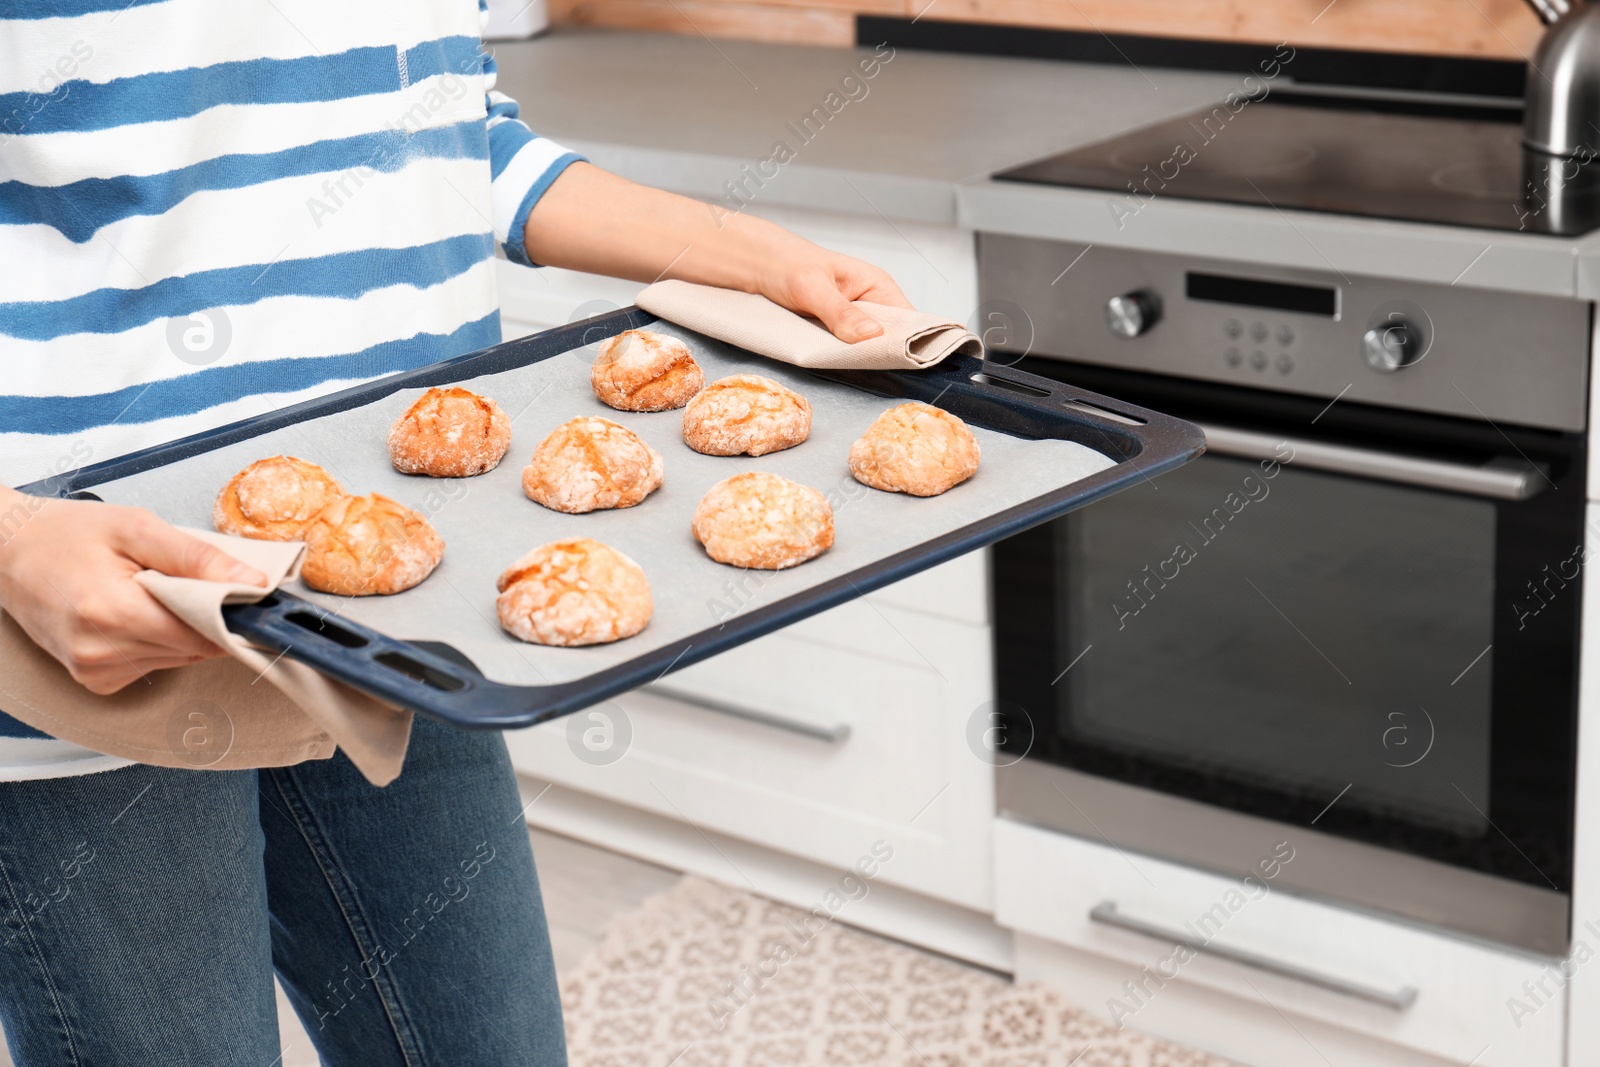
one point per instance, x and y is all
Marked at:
(1353, 622)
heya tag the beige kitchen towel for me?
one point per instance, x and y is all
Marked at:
(252, 709)
(911, 340)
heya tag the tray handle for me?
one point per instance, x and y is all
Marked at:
(1010, 400)
(397, 672)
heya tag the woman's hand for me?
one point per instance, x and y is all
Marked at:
(822, 284)
(593, 221)
(66, 576)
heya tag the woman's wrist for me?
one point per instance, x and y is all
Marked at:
(16, 510)
(744, 253)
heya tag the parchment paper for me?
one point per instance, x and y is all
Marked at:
(487, 522)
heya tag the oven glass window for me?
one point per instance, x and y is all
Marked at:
(1285, 632)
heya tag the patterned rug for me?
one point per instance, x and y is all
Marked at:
(706, 976)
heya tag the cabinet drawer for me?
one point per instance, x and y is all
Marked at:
(1453, 998)
(957, 590)
(802, 742)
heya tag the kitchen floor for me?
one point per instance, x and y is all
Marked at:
(584, 888)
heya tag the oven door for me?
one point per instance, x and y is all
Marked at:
(1360, 623)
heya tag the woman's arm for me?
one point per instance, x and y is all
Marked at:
(591, 220)
(66, 567)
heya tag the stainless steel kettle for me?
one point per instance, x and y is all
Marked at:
(1562, 116)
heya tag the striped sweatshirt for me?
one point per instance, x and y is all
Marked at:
(210, 210)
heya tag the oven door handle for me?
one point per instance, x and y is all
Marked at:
(1401, 999)
(1503, 478)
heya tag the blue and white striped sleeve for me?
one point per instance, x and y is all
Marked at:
(521, 163)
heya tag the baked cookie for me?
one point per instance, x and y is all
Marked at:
(745, 414)
(360, 545)
(643, 371)
(449, 433)
(915, 448)
(588, 463)
(273, 499)
(763, 521)
(573, 592)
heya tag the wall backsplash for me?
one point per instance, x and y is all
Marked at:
(1495, 29)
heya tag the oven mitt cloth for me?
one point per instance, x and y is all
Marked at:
(911, 340)
(252, 708)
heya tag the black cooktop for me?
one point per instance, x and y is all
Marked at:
(1441, 163)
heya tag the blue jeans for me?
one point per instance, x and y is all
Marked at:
(143, 912)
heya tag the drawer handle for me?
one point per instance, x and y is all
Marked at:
(1106, 914)
(834, 734)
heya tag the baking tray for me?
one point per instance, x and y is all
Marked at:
(1047, 448)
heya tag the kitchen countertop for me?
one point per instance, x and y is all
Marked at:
(686, 113)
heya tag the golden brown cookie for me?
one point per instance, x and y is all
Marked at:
(745, 414)
(449, 433)
(573, 592)
(763, 521)
(915, 448)
(273, 499)
(643, 371)
(360, 545)
(588, 463)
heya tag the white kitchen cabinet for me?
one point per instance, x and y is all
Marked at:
(844, 729)
(841, 730)
(1048, 884)
(1584, 992)
(1593, 478)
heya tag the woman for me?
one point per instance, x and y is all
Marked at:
(208, 211)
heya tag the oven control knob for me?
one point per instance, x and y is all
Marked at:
(1393, 345)
(1132, 314)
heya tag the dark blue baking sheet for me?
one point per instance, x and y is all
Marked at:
(434, 679)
